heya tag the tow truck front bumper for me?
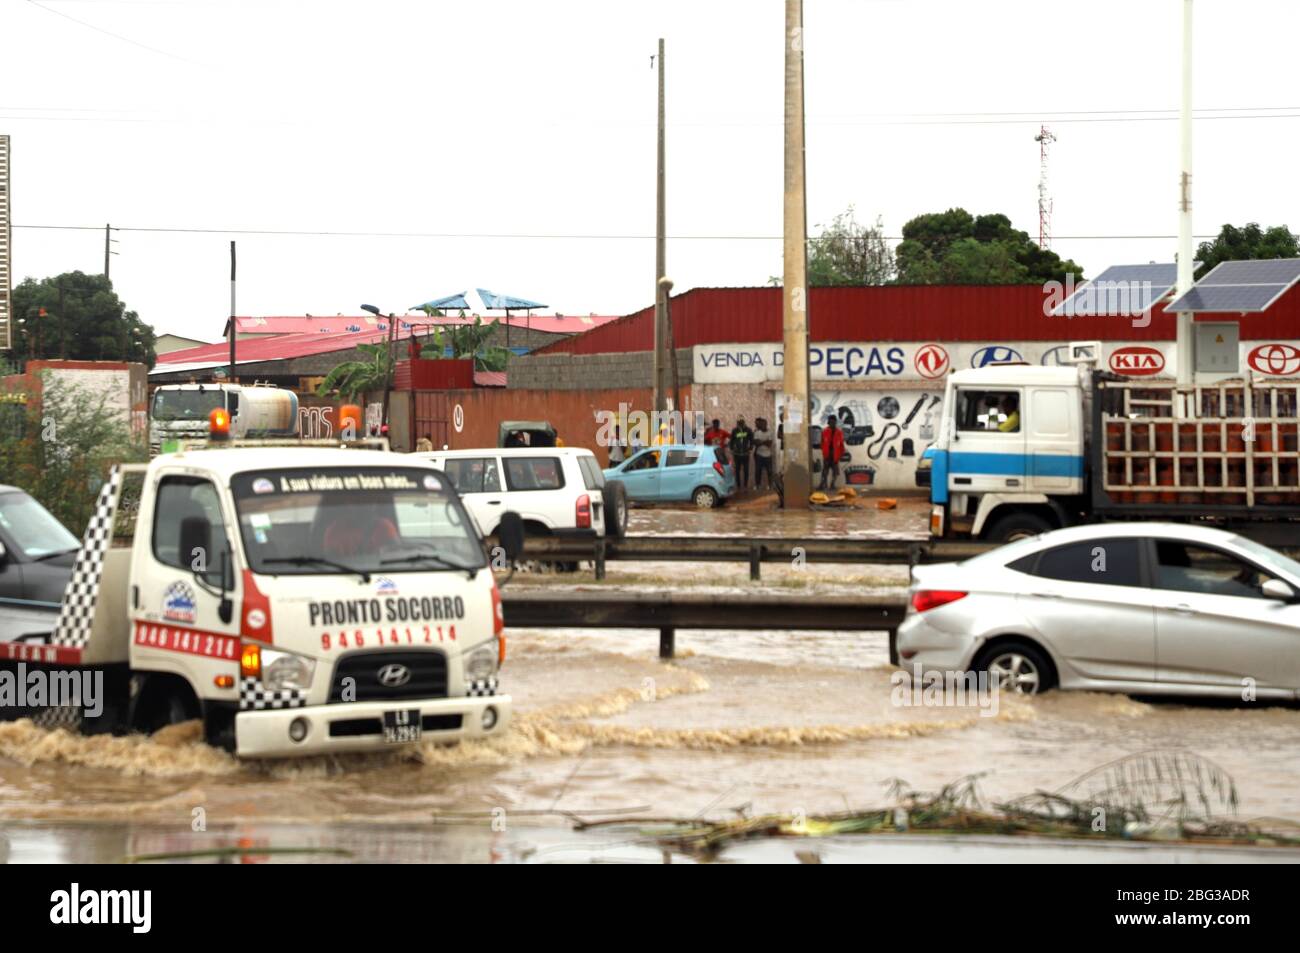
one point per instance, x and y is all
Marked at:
(358, 726)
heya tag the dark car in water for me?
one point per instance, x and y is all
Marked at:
(36, 555)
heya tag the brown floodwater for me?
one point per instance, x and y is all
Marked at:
(757, 721)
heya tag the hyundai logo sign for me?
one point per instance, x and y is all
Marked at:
(995, 354)
(394, 676)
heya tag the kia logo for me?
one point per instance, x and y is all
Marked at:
(394, 676)
(931, 361)
(1280, 360)
(994, 354)
(1137, 361)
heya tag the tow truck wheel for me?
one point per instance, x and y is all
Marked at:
(1016, 526)
(163, 700)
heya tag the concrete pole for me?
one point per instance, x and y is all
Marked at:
(1185, 349)
(661, 294)
(231, 326)
(797, 469)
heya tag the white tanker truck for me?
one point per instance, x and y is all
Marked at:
(180, 412)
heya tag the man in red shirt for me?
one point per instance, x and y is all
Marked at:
(715, 436)
(832, 452)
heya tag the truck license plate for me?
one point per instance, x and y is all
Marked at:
(402, 727)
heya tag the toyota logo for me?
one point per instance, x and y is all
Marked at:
(394, 676)
(1280, 360)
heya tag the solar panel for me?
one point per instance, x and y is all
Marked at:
(1120, 290)
(1273, 271)
(1231, 298)
(1234, 286)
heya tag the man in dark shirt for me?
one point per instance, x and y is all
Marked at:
(742, 445)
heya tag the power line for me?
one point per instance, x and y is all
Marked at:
(522, 236)
(116, 36)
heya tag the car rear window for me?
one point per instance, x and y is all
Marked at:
(720, 455)
(1107, 562)
(534, 473)
(592, 476)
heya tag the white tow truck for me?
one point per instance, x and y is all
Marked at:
(299, 599)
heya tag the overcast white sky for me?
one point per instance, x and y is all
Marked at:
(538, 119)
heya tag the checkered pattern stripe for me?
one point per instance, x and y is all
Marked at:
(63, 716)
(254, 697)
(481, 686)
(77, 616)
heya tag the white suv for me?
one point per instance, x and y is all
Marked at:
(556, 490)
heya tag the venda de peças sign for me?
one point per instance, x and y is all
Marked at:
(933, 361)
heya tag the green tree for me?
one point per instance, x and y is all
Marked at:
(955, 247)
(61, 445)
(1250, 241)
(78, 317)
(846, 253)
(351, 380)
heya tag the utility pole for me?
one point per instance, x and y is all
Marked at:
(661, 293)
(109, 242)
(1185, 348)
(231, 325)
(796, 467)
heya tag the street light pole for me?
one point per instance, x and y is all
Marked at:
(796, 467)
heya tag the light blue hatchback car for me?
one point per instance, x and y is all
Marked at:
(676, 471)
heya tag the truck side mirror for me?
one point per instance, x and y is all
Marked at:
(510, 534)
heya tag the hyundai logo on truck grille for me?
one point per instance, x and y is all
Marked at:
(394, 676)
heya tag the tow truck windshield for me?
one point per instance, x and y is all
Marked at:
(368, 519)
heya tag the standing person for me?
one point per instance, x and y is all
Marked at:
(715, 436)
(762, 453)
(616, 453)
(742, 444)
(832, 452)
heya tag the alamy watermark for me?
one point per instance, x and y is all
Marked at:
(1119, 299)
(53, 688)
(937, 689)
(628, 427)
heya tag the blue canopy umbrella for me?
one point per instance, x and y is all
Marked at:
(496, 302)
(454, 302)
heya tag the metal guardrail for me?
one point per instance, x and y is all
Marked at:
(753, 550)
(669, 611)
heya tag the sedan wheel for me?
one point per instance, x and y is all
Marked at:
(705, 498)
(1013, 672)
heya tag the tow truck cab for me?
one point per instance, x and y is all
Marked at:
(1011, 447)
(300, 600)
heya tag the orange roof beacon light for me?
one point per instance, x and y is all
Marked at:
(350, 418)
(219, 424)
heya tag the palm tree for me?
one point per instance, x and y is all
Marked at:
(352, 379)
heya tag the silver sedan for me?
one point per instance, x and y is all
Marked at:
(1144, 608)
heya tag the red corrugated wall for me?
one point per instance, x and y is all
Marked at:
(433, 375)
(899, 313)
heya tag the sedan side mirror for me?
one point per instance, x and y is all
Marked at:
(1278, 589)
